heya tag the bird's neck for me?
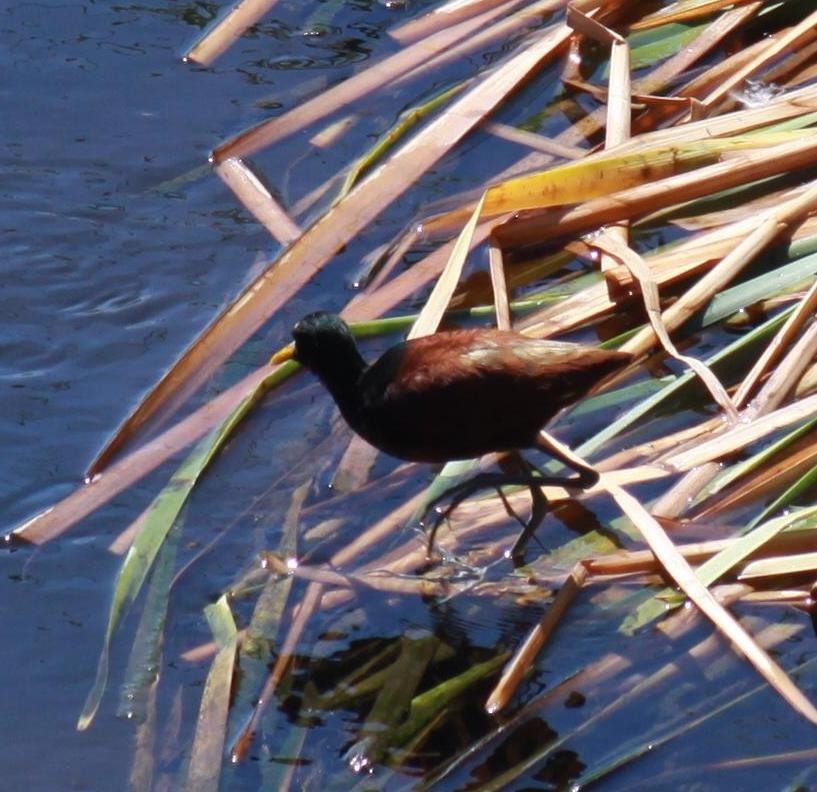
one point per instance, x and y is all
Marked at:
(341, 376)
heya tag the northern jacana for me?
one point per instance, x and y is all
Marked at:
(453, 395)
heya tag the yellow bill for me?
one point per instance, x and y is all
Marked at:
(283, 354)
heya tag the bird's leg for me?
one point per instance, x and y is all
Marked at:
(538, 510)
(459, 492)
(515, 464)
(524, 475)
(508, 508)
(588, 477)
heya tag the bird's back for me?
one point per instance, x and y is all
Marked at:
(460, 394)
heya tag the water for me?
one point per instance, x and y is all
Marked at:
(107, 276)
(117, 248)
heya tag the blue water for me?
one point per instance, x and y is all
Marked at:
(117, 247)
(108, 273)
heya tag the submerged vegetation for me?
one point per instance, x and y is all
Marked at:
(650, 187)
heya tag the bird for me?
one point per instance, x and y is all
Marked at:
(455, 394)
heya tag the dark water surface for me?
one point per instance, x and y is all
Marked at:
(117, 247)
(106, 276)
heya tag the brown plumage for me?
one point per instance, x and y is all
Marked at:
(452, 395)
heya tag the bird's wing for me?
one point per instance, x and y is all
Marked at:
(447, 359)
(531, 357)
